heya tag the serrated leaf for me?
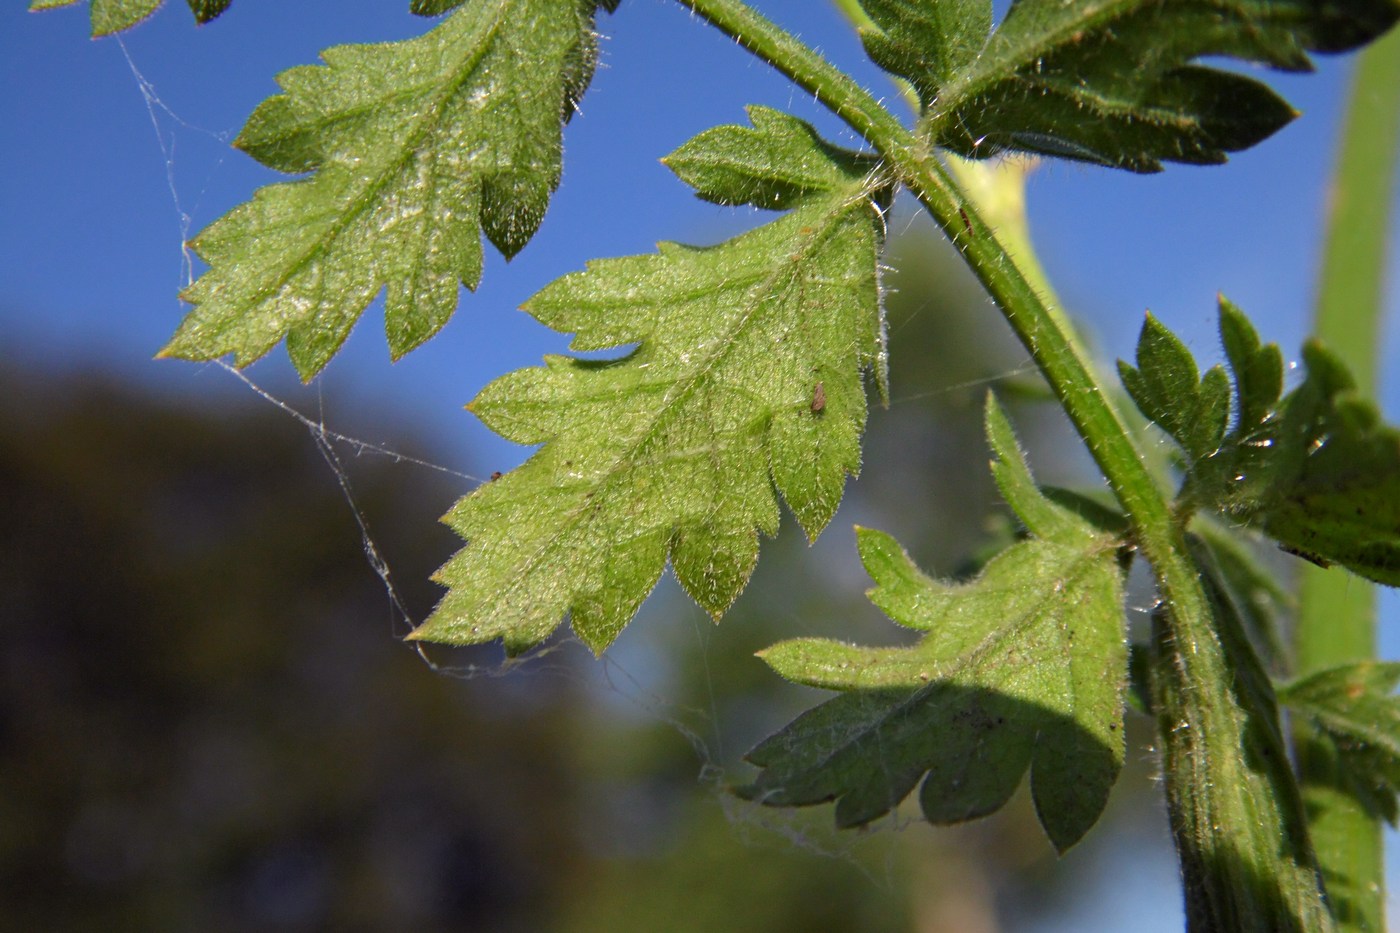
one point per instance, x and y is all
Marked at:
(207, 10)
(418, 147)
(107, 16)
(1354, 706)
(1327, 485)
(1257, 369)
(774, 164)
(110, 16)
(1111, 81)
(1169, 390)
(1317, 470)
(680, 448)
(927, 43)
(1024, 667)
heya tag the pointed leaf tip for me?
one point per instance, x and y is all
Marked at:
(1024, 668)
(1168, 388)
(417, 148)
(681, 448)
(1021, 669)
(1116, 84)
(1316, 469)
(774, 165)
(113, 16)
(1041, 516)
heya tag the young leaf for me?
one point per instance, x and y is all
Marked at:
(1317, 470)
(1258, 370)
(1165, 389)
(1025, 666)
(417, 147)
(1109, 81)
(774, 164)
(1354, 706)
(1327, 485)
(677, 448)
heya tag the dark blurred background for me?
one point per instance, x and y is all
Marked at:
(208, 719)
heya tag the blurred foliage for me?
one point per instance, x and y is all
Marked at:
(207, 720)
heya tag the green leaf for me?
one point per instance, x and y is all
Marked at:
(746, 379)
(1258, 370)
(1097, 507)
(1251, 586)
(1316, 470)
(1042, 516)
(1354, 706)
(108, 16)
(417, 147)
(1327, 486)
(432, 7)
(437, 7)
(1166, 389)
(1023, 667)
(774, 164)
(206, 10)
(927, 43)
(1110, 81)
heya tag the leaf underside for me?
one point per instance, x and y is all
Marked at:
(1115, 82)
(110, 16)
(1023, 667)
(416, 149)
(745, 383)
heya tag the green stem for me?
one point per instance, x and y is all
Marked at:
(1239, 830)
(1337, 611)
(998, 187)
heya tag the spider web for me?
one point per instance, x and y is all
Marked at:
(624, 678)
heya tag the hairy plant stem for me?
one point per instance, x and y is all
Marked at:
(1234, 805)
(1337, 611)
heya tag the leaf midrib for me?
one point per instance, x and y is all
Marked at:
(1083, 563)
(624, 459)
(356, 208)
(987, 70)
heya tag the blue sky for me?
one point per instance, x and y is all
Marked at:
(91, 244)
(92, 195)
